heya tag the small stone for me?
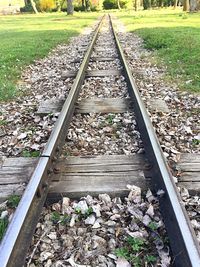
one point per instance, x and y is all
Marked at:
(45, 255)
(82, 205)
(90, 219)
(4, 214)
(52, 236)
(81, 231)
(121, 262)
(66, 209)
(146, 220)
(112, 256)
(73, 220)
(56, 207)
(115, 217)
(49, 263)
(150, 211)
(110, 223)
(112, 244)
(97, 210)
(96, 225)
(105, 198)
(135, 193)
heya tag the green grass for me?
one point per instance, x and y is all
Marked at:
(3, 227)
(13, 201)
(25, 38)
(175, 38)
(136, 252)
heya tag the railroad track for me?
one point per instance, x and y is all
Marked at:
(183, 242)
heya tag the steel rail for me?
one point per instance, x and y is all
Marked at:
(18, 236)
(183, 240)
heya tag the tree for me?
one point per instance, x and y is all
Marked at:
(186, 5)
(34, 6)
(87, 5)
(83, 4)
(136, 5)
(118, 5)
(175, 4)
(70, 8)
(46, 5)
(194, 5)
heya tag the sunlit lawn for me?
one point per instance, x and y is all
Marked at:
(175, 37)
(24, 38)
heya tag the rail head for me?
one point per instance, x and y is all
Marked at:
(183, 240)
(16, 241)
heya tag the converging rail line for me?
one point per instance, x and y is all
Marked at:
(183, 242)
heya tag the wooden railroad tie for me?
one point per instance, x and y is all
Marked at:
(99, 105)
(76, 176)
(188, 167)
(95, 59)
(92, 73)
(88, 105)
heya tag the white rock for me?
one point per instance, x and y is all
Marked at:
(82, 205)
(90, 219)
(49, 263)
(150, 197)
(135, 194)
(195, 224)
(72, 221)
(96, 225)
(4, 214)
(137, 234)
(97, 210)
(45, 255)
(122, 263)
(22, 136)
(150, 211)
(65, 206)
(146, 220)
(105, 198)
(89, 199)
(3, 205)
(112, 256)
(110, 223)
(160, 193)
(52, 236)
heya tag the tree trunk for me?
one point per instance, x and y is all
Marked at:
(160, 3)
(87, 5)
(186, 5)
(194, 5)
(118, 4)
(83, 4)
(136, 5)
(70, 8)
(175, 4)
(34, 6)
(58, 5)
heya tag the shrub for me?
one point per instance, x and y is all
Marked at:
(26, 8)
(46, 5)
(109, 4)
(112, 4)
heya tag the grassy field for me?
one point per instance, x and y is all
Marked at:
(25, 38)
(175, 38)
